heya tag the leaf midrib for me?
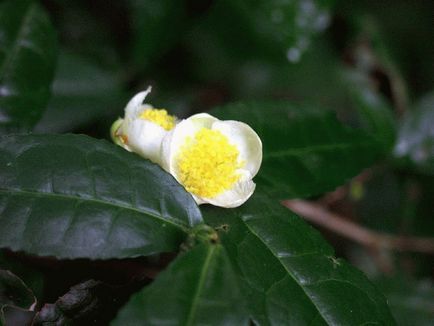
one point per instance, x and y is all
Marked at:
(289, 272)
(315, 148)
(203, 273)
(12, 53)
(180, 224)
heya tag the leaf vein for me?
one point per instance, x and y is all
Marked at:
(175, 222)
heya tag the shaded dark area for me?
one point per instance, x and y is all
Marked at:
(371, 62)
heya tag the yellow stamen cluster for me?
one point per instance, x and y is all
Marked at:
(160, 117)
(207, 163)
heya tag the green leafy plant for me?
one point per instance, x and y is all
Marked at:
(115, 239)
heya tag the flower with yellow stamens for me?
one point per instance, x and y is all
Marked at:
(214, 160)
(143, 128)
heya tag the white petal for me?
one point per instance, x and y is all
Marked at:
(203, 120)
(234, 197)
(166, 148)
(172, 143)
(239, 134)
(145, 138)
(246, 140)
(135, 106)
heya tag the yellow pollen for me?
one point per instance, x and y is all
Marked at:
(207, 163)
(160, 117)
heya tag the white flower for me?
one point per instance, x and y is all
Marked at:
(214, 160)
(143, 128)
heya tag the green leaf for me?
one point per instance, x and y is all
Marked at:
(72, 196)
(198, 288)
(27, 61)
(14, 292)
(82, 93)
(416, 137)
(306, 152)
(290, 274)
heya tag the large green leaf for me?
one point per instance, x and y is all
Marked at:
(82, 93)
(27, 61)
(73, 196)
(306, 152)
(290, 274)
(198, 288)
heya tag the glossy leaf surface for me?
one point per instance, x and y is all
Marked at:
(27, 62)
(198, 288)
(305, 152)
(290, 274)
(72, 196)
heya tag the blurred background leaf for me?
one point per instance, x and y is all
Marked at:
(27, 61)
(368, 61)
(157, 25)
(411, 302)
(416, 136)
(271, 29)
(375, 114)
(306, 151)
(82, 93)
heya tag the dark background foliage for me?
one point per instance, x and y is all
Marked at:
(371, 62)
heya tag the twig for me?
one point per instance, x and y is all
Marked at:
(319, 215)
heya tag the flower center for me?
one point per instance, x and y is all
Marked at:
(207, 163)
(160, 117)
